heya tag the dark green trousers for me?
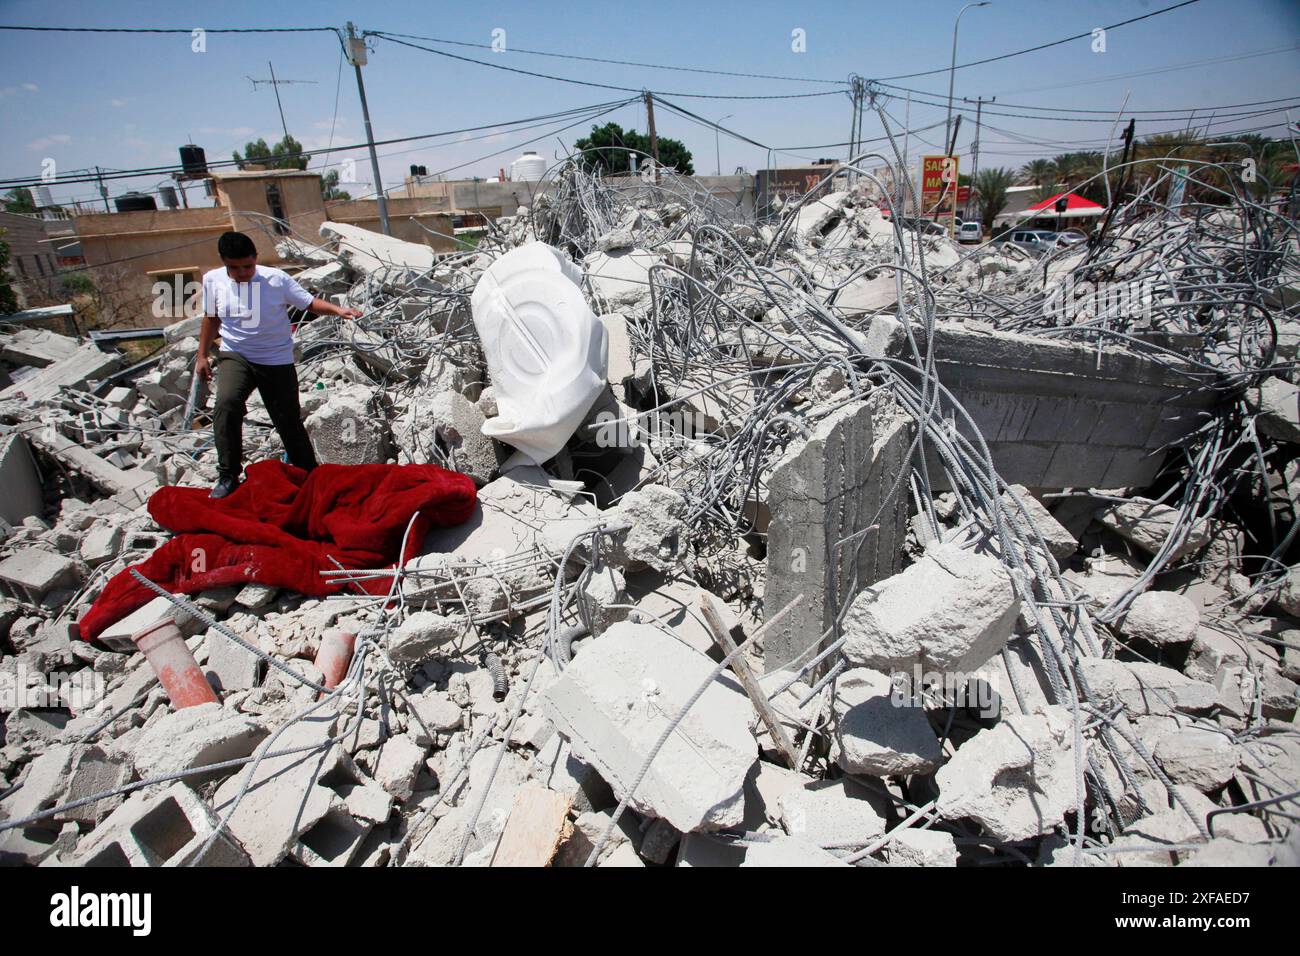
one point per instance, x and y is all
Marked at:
(278, 386)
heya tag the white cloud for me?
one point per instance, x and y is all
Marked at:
(45, 142)
(117, 103)
(30, 87)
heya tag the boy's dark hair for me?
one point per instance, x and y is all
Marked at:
(235, 245)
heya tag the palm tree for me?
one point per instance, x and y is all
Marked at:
(991, 193)
(1039, 172)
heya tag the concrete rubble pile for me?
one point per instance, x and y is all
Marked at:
(864, 554)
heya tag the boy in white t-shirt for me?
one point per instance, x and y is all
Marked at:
(249, 306)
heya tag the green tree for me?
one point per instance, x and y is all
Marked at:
(286, 154)
(19, 200)
(610, 145)
(8, 299)
(1039, 172)
(330, 186)
(991, 193)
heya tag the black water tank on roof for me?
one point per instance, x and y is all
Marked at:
(193, 159)
(134, 202)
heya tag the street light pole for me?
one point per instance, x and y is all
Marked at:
(717, 148)
(952, 69)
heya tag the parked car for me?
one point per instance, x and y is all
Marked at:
(1070, 237)
(1034, 241)
(969, 232)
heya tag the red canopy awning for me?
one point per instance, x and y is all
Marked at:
(1075, 206)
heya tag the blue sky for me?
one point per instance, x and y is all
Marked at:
(127, 101)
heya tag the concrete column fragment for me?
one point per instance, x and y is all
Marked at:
(830, 487)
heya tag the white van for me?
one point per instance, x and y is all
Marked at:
(969, 232)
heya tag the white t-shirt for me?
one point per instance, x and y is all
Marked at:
(255, 315)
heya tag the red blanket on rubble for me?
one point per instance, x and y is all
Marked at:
(282, 526)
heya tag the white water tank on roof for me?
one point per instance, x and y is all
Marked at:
(528, 168)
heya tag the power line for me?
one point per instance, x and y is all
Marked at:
(155, 170)
(603, 86)
(1173, 67)
(597, 59)
(185, 30)
(1178, 111)
(1291, 103)
(1041, 46)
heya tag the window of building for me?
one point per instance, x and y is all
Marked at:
(275, 204)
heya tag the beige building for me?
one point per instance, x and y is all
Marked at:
(128, 253)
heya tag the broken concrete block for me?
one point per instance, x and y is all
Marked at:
(588, 829)
(375, 254)
(1204, 759)
(659, 841)
(366, 801)
(335, 840)
(1147, 524)
(826, 487)
(421, 634)
(1229, 853)
(658, 537)
(1211, 650)
(1060, 543)
(165, 829)
(831, 813)
(789, 851)
(952, 610)
(229, 666)
(438, 712)
(254, 596)
(556, 768)
(93, 771)
(43, 787)
(915, 847)
(1146, 688)
(620, 278)
(863, 296)
(876, 733)
(604, 588)
(454, 426)
(707, 850)
(400, 762)
(1160, 617)
(23, 497)
(31, 574)
(1288, 598)
(288, 795)
(612, 703)
(1279, 410)
(1017, 780)
(100, 543)
(193, 737)
(350, 428)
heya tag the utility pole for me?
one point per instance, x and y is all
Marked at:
(975, 149)
(102, 191)
(654, 138)
(357, 57)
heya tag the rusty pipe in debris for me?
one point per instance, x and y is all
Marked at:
(334, 656)
(165, 649)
